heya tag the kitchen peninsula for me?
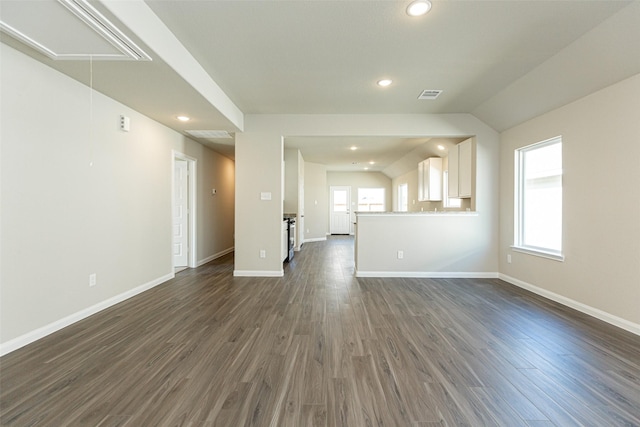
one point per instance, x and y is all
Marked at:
(420, 244)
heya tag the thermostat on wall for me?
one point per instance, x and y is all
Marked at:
(125, 123)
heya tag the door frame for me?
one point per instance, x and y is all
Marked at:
(191, 206)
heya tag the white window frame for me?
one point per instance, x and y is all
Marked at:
(403, 197)
(448, 202)
(384, 202)
(519, 201)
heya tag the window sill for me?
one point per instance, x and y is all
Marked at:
(537, 252)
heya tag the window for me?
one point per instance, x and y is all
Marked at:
(448, 202)
(403, 198)
(340, 201)
(371, 199)
(538, 198)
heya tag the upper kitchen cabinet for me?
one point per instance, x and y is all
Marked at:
(460, 174)
(430, 179)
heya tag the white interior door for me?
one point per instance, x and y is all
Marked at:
(340, 212)
(180, 213)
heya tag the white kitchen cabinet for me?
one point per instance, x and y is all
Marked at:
(460, 175)
(430, 179)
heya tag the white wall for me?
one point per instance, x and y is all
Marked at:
(411, 179)
(316, 201)
(291, 180)
(64, 219)
(258, 166)
(258, 222)
(432, 244)
(215, 213)
(601, 205)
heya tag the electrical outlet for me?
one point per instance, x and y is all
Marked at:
(263, 253)
(508, 258)
(400, 254)
(92, 279)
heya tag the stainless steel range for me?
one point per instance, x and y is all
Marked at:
(292, 238)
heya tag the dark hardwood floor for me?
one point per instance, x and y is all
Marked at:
(322, 348)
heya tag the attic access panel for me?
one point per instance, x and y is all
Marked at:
(67, 29)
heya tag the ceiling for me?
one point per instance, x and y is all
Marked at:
(217, 61)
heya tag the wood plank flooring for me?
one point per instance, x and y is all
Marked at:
(320, 347)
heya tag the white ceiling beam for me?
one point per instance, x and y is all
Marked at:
(145, 24)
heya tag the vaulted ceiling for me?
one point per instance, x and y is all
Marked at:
(502, 61)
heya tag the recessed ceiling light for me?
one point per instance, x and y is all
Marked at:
(419, 8)
(354, 148)
(384, 82)
(183, 118)
(440, 147)
(372, 163)
(366, 169)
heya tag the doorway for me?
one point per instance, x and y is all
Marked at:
(340, 210)
(183, 201)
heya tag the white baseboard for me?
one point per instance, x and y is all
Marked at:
(215, 256)
(258, 273)
(316, 239)
(429, 274)
(586, 309)
(29, 337)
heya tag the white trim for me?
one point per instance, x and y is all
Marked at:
(586, 309)
(258, 273)
(519, 194)
(316, 239)
(138, 18)
(192, 164)
(430, 274)
(99, 24)
(215, 256)
(42, 332)
(539, 253)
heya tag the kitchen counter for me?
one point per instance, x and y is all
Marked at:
(423, 244)
(425, 213)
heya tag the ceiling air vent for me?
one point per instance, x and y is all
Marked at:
(209, 134)
(429, 94)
